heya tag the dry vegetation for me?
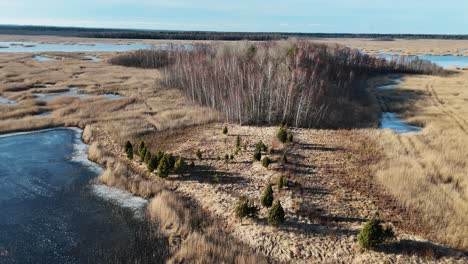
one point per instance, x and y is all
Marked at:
(428, 172)
(144, 108)
(193, 237)
(291, 82)
(331, 190)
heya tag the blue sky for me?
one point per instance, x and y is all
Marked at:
(347, 16)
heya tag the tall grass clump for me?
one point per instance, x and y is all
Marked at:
(297, 83)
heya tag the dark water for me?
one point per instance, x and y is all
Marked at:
(50, 213)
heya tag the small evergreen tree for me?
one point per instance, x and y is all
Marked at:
(130, 154)
(373, 234)
(180, 166)
(143, 154)
(171, 160)
(290, 137)
(276, 215)
(257, 155)
(129, 150)
(282, 134)
(225, 130)
(267, 197)
(164, 167)
(147, 157)
(140, 148)
(226, 158)
(153, 163)
(246, 208)
(238, 142)
(282, 182)
(199, 154)
(260, 146)
(159, 155)
(266, 162)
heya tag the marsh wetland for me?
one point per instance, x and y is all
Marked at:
(376, 152)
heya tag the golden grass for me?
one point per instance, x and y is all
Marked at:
(199, 245)
(145, 107)
(428, 172)
(192, 235)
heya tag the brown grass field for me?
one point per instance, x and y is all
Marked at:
(339, 179)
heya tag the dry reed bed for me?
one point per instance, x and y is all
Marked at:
(427, 172)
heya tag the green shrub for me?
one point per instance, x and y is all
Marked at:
(267, 197)
(373, 234)
(282, 134)
(159, 155)
(164, 167)
(141, 148)
(153, 163)
(180, 166)
(199, 154)
(143, 154)
(238, 142)
(129, 150)
(225, 130)
(147, 157)
(231, 156)
(170, 159)
(130, 154)
(257, 155)
(260, 146)
(284, 159)
(246, 208)
(282, 182)
(276, 215)
(266, 162)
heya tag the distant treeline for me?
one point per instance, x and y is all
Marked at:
(201, 35)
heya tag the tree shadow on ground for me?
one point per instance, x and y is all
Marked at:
(319, 147)
(423, 249)
(208, 174)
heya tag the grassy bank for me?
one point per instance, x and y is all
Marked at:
(193, 235)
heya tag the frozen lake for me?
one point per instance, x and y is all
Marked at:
(52, 212)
